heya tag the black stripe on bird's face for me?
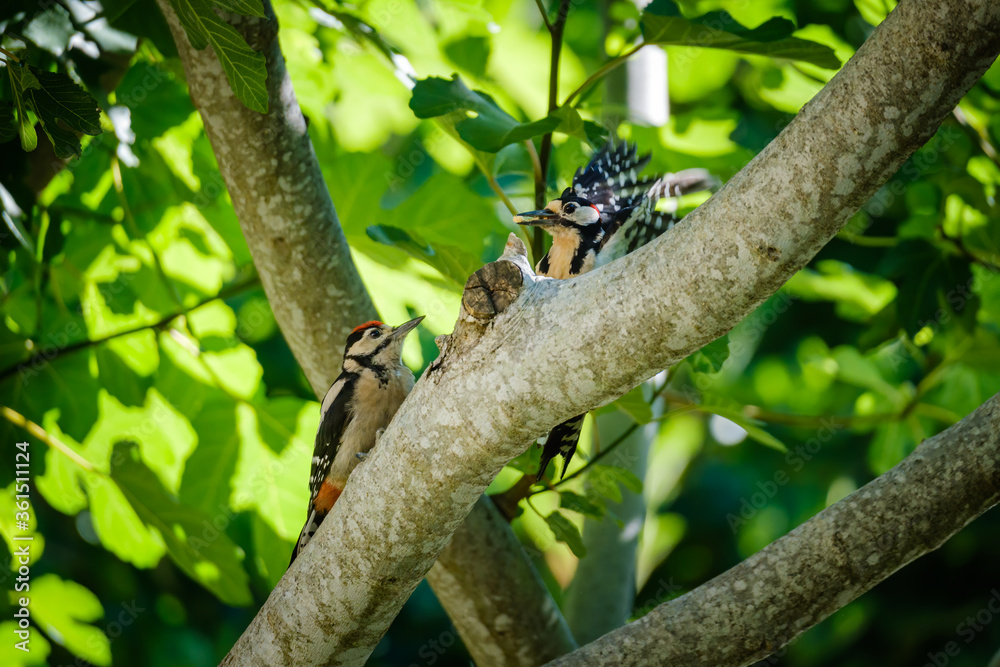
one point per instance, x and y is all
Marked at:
(568, 211)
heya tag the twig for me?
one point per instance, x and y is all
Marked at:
(604, 69)
(17, 419)
(537, 237)
(545, 15)
(9, 55)
(49, 355)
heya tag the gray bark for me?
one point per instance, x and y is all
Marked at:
(757, 607)
(290, 224)
(499, 384)
(490, 633)
(273, 177)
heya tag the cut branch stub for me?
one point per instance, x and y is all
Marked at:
(490, 290)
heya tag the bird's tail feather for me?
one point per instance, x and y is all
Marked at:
(562, 440)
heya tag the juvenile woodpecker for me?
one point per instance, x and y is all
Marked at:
(608, 211)
(359, 405)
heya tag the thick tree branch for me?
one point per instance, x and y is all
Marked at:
(791, 585)
(503, 381)
(273, 177)
(491, 634)
(284, 208)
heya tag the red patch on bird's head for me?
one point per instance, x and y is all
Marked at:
(373, 323)
(594, 206)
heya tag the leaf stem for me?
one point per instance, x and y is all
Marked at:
(48, 355)
(603, 71)
(556, 30)
(9, 55)
(545, 15)
(19, 420)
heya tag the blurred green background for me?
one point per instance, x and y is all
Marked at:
(171, 481)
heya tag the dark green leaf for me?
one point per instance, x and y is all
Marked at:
(624, 476)
(581, 504)
(8, 124)
(450, 261)
(488, 127)
(244, 7)
(193, 540)
(710, 358)
(244, 67)
(662, 23)
(932, 285)
(22, 81)
(566, 531)
(64, 110)
(635, 405)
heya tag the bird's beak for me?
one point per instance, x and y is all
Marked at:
(406, 327)
(536, 218)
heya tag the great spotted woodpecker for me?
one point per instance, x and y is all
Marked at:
(609, 211)
(358, 406)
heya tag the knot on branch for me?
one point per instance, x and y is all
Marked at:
(488, 292)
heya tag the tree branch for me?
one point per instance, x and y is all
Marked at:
(486, 625)
(783, 590)
(274, 180)
(446, 443)
(289, 221)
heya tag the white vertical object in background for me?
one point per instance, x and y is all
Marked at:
(648, 98)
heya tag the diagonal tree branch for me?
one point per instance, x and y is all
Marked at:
(274, 180)
(794, 583)
(633, 318)
(272, 174)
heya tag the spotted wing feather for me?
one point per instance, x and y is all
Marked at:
(634, 226)
(612, 174)
(333, 420)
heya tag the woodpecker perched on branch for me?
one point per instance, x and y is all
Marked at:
(359, 405)
(609, 211)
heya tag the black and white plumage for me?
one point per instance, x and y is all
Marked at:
(373, 382)
(608, 211)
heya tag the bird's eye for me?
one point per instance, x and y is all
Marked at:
(570, 207)
(375, 333)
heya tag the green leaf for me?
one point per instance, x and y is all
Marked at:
(51, 29)
(193, 539)
(245, 68)
(21, 81)
(244, 7)
(662, 23)
(64, 611)
(567, 532)
(711, 357)
(8, 123)
(64, 110)
(624, 476)
(581, 504)
(604, 482)
(488, 127)
(471, 53)
(449, 260)
(752, 426)
(14, 657)
(932, 285)
(635, 405)
(874, 11)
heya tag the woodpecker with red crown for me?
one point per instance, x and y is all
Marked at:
(608, 212)
(373, 383)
